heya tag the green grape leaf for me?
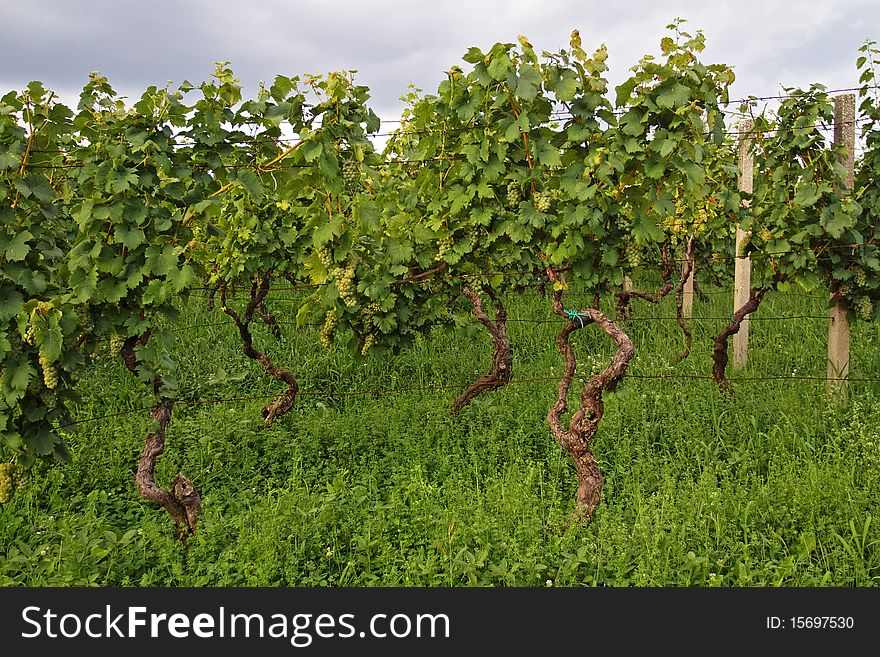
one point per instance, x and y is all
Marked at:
(675, 95)
(251, 182)
(18, 248)
(131, 237)
(10, 302)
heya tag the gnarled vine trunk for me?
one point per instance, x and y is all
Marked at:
(259, 290)
(625, 296)
(577, 437)
(182, 501)
(720, 356)
(502, 359)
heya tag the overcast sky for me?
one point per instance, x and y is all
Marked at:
(394, 43)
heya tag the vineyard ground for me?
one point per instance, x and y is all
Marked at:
(772, 488)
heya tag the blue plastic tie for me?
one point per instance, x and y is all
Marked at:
(574, 314)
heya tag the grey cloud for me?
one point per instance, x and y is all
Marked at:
(393, 43)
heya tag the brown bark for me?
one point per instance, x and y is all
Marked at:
(679, 300)
(625, 296)
(259, 290)
(269, 319)
(502, 359)
(182, 502)
(720, 356)
(577, 437)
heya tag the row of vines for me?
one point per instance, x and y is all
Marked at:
(522, 171)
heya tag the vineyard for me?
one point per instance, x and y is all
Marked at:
(243, 346)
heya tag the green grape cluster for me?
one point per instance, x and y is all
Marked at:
(50, 372)
(444, 246)
(116, 343)
(542, 201)
(631, 254)
(473, 236)
(345, 284)
(30, 335)
(369, 315)
(514, 196)
(47, 397)
(859, 277)
(864, 308)
(351, 173)
(325, 256)
(845, 289)
(765, 234)
(328, 327)
(13, 478)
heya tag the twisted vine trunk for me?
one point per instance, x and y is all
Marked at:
(182, 501)
(502, 359)
(679, 300)
(269, 319)
(720, 355)
(625, 296)
(259, 290)
(577, 437)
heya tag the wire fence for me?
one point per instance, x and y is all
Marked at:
(378, 392)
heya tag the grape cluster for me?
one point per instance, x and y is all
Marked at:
(631, 254)
(50, 372)
(473, 236)
(845, 289)
(351, 173)
(864, 308)
(369, 326)
(116, 343)
(542, 201)
(325, 256)
(859, 277)
(444, 246)
(13, 478)
(765, 234)
(327, 328)
(514, 196)
(345, 284)
(30, 335)
(702, 220)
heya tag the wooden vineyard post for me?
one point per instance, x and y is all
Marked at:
(687, 297)
(627, 283)
(838, 323)
(742, 280)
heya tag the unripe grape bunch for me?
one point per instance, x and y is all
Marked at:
(116, 343)
(631, 254)
(351, 173)
(444, 246)
(325, 256)
(542, 201)
(514, 196)
(50, 373)
(345, 284)
(328, 327)
(13, 478)
(864, 308)
(860, 279)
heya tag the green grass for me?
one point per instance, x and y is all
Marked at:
(774, 487)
